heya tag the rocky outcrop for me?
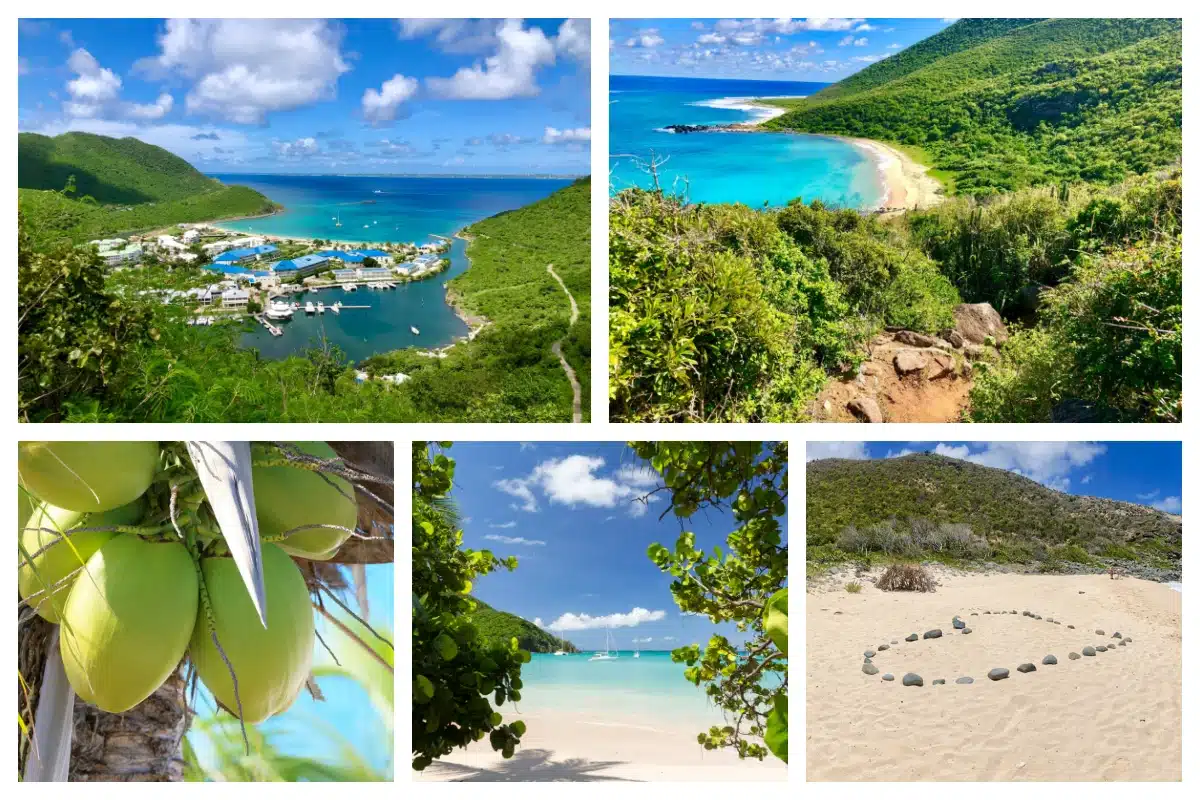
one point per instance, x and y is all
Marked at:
(979, 321)
(865, 409)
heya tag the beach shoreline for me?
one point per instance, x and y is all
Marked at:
(1116, 715)
(570, 746)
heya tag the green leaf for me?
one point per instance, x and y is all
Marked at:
(422, 689)
(776, 736)
(445, 647)
(775, 620)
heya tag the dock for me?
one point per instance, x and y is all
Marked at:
(274, 331)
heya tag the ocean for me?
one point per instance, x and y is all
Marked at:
(750, 168)
(407, 209)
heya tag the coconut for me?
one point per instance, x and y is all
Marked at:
(272, 664)
(287, 498)
(126, 624)
(46, 559)
(87, 476)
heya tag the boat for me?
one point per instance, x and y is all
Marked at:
(308, 308)
(336, 307)
(279, 310)
(337, 221)
(560, 651)
(320, 307)
(415, 330)
(636, 654)
(608, 654)
(350, 287)
(377, 191)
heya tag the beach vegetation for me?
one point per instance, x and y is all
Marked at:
(460, 680)
(906, 578)
(501, 627)
(744, 583)
(853, 587)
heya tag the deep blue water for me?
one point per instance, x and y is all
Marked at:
(750, 168)
(408, 209)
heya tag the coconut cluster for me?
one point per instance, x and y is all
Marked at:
(120, 549)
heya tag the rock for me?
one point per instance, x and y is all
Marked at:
(1026, 613)
(1122, 643)
(1089, 651)
(1073, 656)
(914, 339)
(987, 612)
(908, 361)
(1101, 648)
(974, 613)
(966, 630)
(869, 368)
(936, 633)
(889, 677)
(998, 674)
(1072, 627)
(870, 668)
(1116, 635)
(865, 409)
(975, 352)
(883, 647)
(894, 641)
(868, 653)
(977, 321)
(836, 613)
(912, 679)
(1037, 616)
(965, 679)
(1056, 622)
(1127, 641)
(941, 364)
(912, 637)
(958, 623)
(966, 370)
(939, 681)
(1099, 632)
(1049, 619)
(953, 337)
(1027, 667)
(1049, 660)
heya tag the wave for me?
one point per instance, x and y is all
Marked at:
(758, 113)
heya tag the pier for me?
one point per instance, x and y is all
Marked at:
(274, 331)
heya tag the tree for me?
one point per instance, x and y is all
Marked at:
(454, 671)
(370, 262)
(744, 585)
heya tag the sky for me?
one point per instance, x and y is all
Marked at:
(819, 50)
(429, 96)
(570, 514)
(1146, 473)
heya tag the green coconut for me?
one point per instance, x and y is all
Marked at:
(87, 476)
(46, 559)
(287, 498)
(271, 664)
(127, 621)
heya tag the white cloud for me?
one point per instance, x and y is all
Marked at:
(509, 73)
(156, 110)
(1047, 463)
(893, 46)
(668, 638)
(519, 489)
(854, 450)
(643, 640)
(93, 86)
(866, 27)
(583, 622)
(244, 69)
(503, 525)
(710, 38)
(537, 621)
(646, 38)
(1086, 480)
(383, 104)
(556, 136)
(514, 540)
(1149, 495)
(1171, 505)
(299, 148)
(575, 40)
(846, 41)
(187, 141)
(860, 41)
(453, 35)
(576, 480)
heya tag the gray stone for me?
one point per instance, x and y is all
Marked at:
(1101, 648)
(1049, 660)
(1049, 619)
(913, 679)
(958, 623)
(894, 641)
(865, 409)
(868, 653)
(1122, 643)
(1073, 656)
(889, 677)
(977, 321)
(883, 647)
(965, 679)
(915, 339)
(1027, 667)
(987, 612)
(1072, 627)
(908, 361)
(939, 681)
(1099, 632)
(936, 633)
(1117, 635)
(998, 674)
(974, 613)
(1026, 613)
(870, 668)
(966, 630)
(953, 337)
(912, 637)
(1127, 640)
(1037, 616)
(1089, 651)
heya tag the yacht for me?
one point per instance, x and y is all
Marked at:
(308, 308)
(320, 307)
(336, 307)
(415, 330)
(279, 310)
(608, 654)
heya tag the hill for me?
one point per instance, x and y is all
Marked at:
(931, 507)
(498, 627)
(1005, 104)
(81, 186)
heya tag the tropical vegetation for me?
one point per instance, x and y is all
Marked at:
(500, 626)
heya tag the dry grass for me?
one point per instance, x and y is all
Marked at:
(853, 587)
(906, 578)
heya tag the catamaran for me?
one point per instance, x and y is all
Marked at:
(608, 654)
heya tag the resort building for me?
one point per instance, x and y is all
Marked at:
(345, 274)
(235, 298)
(374, 273)
(170, 243)
(190, 236)
(381, 256)
(120, 254)
(302, 266)
(245, 254)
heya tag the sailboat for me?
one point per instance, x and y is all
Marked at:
(608, 654)
(636, 654)
(338, 220)
(560, 651)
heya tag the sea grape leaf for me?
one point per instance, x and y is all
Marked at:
(775, 620)
(776, 736)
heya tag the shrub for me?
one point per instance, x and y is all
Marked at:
(853, 587)
(906, 578)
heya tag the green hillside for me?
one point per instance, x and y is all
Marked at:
(1004, 104)
(81, 186)
(932, 507)
(499, 627)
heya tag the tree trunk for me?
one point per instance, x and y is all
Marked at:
(143, 744)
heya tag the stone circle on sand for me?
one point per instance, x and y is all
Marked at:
(996, 674)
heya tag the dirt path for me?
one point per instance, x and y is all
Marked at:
(556, 348)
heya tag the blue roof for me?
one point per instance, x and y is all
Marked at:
(373, 253)
(230, 269)
(331, 253)
(351, 257)
(302, 262)
(245, 252)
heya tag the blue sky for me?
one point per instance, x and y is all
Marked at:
(314, 96)
(1147, 473)
(822, 50)
(570, 514)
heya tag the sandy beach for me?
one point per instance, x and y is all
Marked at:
(563, 746)
(1113, 716)
(908, 183)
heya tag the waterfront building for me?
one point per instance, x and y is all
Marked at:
(235, 298)
(302, 266)
(243, 255)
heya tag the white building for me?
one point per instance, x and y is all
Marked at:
(130, 254)
(216, 248)
(190, 236)
(235, 298)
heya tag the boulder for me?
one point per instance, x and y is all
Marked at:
(953, 337)
(1073, 656)
(908, 361)
(865, 409)
(1089, 651)
(1049, 660)
(939, 681)
(1117, 635)
(868, 653)
(936, 633)
(1127, 641)
(998, 674)
(941, 364)
(977, 321)
(1027, 667)
(1101, 648)
(958, 623)
(912, 679)
(912, 637)
(883, 647)
(1122, 643)
(870, 668)
(1099, 632)
(1072, 627)
(915, 339)
(965, 679)
(889, 677)
(966, 630)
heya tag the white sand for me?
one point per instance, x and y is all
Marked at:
(567, 746)
(1114, 716)
(908, 183)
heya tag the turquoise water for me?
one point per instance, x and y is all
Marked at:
(409, 209)
(722, 167)
(650, 686)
